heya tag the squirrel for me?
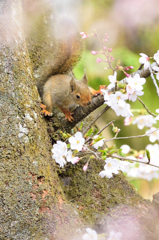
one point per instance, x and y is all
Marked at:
(62, 88)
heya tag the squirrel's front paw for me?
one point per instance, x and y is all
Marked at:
(69, 117)
(68, 114)
(44, 111)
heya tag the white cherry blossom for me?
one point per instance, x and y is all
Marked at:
(153, 135)
(112, 79)
(134, 87)
(125, 148)
(144, 121)
(71, 158)
(111, 166)
(144, 59)
(59, 153)
(156, 57)
(77, 141)
(155, 68)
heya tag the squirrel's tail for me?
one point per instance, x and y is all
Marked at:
(69, 46)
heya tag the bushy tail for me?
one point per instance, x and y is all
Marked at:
(68, 46)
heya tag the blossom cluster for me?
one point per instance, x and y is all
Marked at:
(117, 100)
(62, 155)
(61, 152)
(140, 170)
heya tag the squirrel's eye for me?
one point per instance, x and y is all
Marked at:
(77, 96)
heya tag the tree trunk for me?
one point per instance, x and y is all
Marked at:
(36, 202)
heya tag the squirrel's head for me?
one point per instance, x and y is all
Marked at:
(80, 91)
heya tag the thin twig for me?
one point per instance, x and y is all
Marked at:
(90, 138)
(95, 119)
(146, 107)
(105, 127)
(154, 81)
(139, 136)
(92, 152)
(134, 160)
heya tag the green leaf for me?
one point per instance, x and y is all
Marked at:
(148, 155)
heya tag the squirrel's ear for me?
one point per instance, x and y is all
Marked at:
(72, 85)
(71, 73)
(84, 79)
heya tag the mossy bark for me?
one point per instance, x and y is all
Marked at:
(38, 199)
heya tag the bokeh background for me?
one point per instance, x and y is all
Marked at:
(133, 27)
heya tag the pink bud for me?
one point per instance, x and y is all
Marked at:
(131, 67)
(128, 75)
(94, 52)
(76, 160)
(127, 121)
(104, 48)
(85, 167)
(126, 68)
(105, 39)
(99, 60)
(109, 49)
(141, 156)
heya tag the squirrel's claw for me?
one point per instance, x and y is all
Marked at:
(44, 111)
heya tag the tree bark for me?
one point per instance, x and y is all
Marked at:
(38, 199)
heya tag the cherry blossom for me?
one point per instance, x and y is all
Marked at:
(112, 79)
(111, 166)
(59, 153)
(144, 121)
(127, 121)
(156, 57)
(134, 87)
(77, 141)
(154, 153)
(106, 95)
(157, 118)
(155, 68)
(153, 135)
(117, 102)
(125, 148)
(90, 235)
(144, 59)
(71, 158)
